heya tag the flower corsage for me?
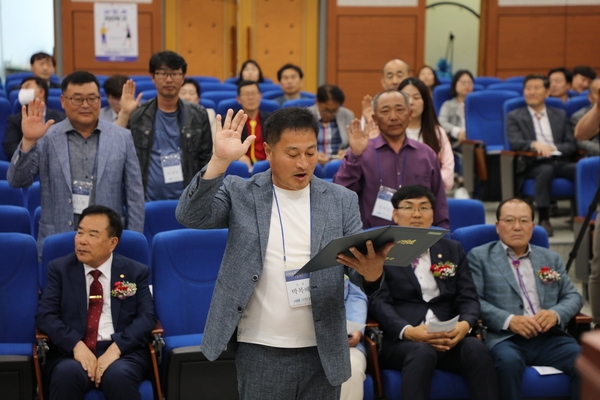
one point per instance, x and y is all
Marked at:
(123, 290)
(443, 270)
(548, 275)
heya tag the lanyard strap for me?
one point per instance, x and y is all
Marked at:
(539, 121)
(280, 224)
(516, 264)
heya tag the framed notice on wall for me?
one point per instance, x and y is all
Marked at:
(116, 32)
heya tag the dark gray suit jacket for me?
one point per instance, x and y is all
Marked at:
(244, 206)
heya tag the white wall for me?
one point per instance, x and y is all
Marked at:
(443, 19)
(26, 27)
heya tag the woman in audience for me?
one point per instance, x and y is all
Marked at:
(250, 71)
(425, 128)
(452, 113)
(428, 76)
(190, 91)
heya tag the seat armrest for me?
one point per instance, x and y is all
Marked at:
(579, 324)
(373, 337)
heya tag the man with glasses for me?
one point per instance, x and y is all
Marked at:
(249, 97)
(81, 161)
(172, 138)
(417, 295)
(526, 300)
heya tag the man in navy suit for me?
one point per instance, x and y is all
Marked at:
(526, 300)
(413, 297)
(111, 354)
(545, 131)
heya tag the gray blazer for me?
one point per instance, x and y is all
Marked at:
(343, 118)
(118, 183)
(499, 293)
(521, 132)
(244, 206)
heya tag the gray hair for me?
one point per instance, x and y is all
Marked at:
(378, 95)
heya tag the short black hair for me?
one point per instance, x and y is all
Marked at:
(455, 79)
(330, 92)
(412, 192)
(113, 86)
(79, 78)
(289, 66)
(516, 199)
(261, 78)
(41, 83)
(568, 74)
(585, 70)
(531, 77)
(291, 118)
(41, 56)
(168, 59)
(115, 225)
(193, 82)
(246, 83)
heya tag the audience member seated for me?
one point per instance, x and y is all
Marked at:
(31, 88)
(290, 78)
(81, 161)
(356, 303)
(42, 66)
(250, 71)
(376, 168)
(583, 75)
(333, 119)
(190, 91)
(560, 83)
(428, 76)
(172, 137)
(425, 128)
(452, 113)
(249, 97)
(437, 287)
(113, 87)
(526, 300)
(590, 146)
(545, 131)
(109, 350)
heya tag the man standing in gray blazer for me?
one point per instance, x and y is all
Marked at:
(545, 131)
(81, 161)
(333, 119)
(526, 300)
(290, 331)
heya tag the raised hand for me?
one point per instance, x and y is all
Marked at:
(357, 137)
(367, 107)
(128, 100)
(33, 125)
(228, 143)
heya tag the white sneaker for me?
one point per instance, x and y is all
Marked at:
(461, 193)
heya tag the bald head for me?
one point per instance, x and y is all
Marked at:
(394, 72)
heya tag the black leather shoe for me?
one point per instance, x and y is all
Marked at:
(548, 227)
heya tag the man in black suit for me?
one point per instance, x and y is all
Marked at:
(100, 342)
(414, 297)
(249, 96)
(545, 131)
(32, 87)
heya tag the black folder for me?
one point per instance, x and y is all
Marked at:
(410, 244)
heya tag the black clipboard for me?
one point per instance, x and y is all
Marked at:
(410, 244)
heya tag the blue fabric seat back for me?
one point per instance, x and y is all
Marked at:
(486, 81)
(206, 87)
(298, 103)
(3, 168)
(238, 168)
(10, 196)
(272, 94)
(331, 168)
(219, 96)
(185, 264)
(477, 235)
(586, 182)
(142, 86)
(204, 79)
(575, 104)
(513, 86)
(160, 217)
(14, 219)
(5, 111)
(465, 212)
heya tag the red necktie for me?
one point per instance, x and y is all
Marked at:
(94, 311)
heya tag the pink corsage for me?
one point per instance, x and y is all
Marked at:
(123, 290)
(548, 275)
(443, 270)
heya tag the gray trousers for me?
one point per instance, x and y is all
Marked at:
(594, 281)
(266, 373)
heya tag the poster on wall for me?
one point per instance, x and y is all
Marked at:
(115, 32)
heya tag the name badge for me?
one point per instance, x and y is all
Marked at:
(383, 205)
(171, 166)
(298, 288)
(81, 196)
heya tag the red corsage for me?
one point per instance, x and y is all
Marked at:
(443, 270)
(548, 275)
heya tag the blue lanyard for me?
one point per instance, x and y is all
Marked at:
(403, 168)
(516, 264)
(281, 224)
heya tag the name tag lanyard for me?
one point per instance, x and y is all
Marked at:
(280, 224)
(516, 264)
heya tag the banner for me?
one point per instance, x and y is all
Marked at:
(115, 32)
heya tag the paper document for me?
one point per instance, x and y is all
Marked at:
(442, 326)
(546, 370)
(352, 327)
(556, 153)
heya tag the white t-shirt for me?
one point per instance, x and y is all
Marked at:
(268, 318)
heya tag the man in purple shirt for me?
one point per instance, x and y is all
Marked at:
(376, 168)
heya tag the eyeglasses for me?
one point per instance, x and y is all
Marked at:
(165, 74)
(511, 220)
(250, 94)
(78, 100)
(411, 209)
